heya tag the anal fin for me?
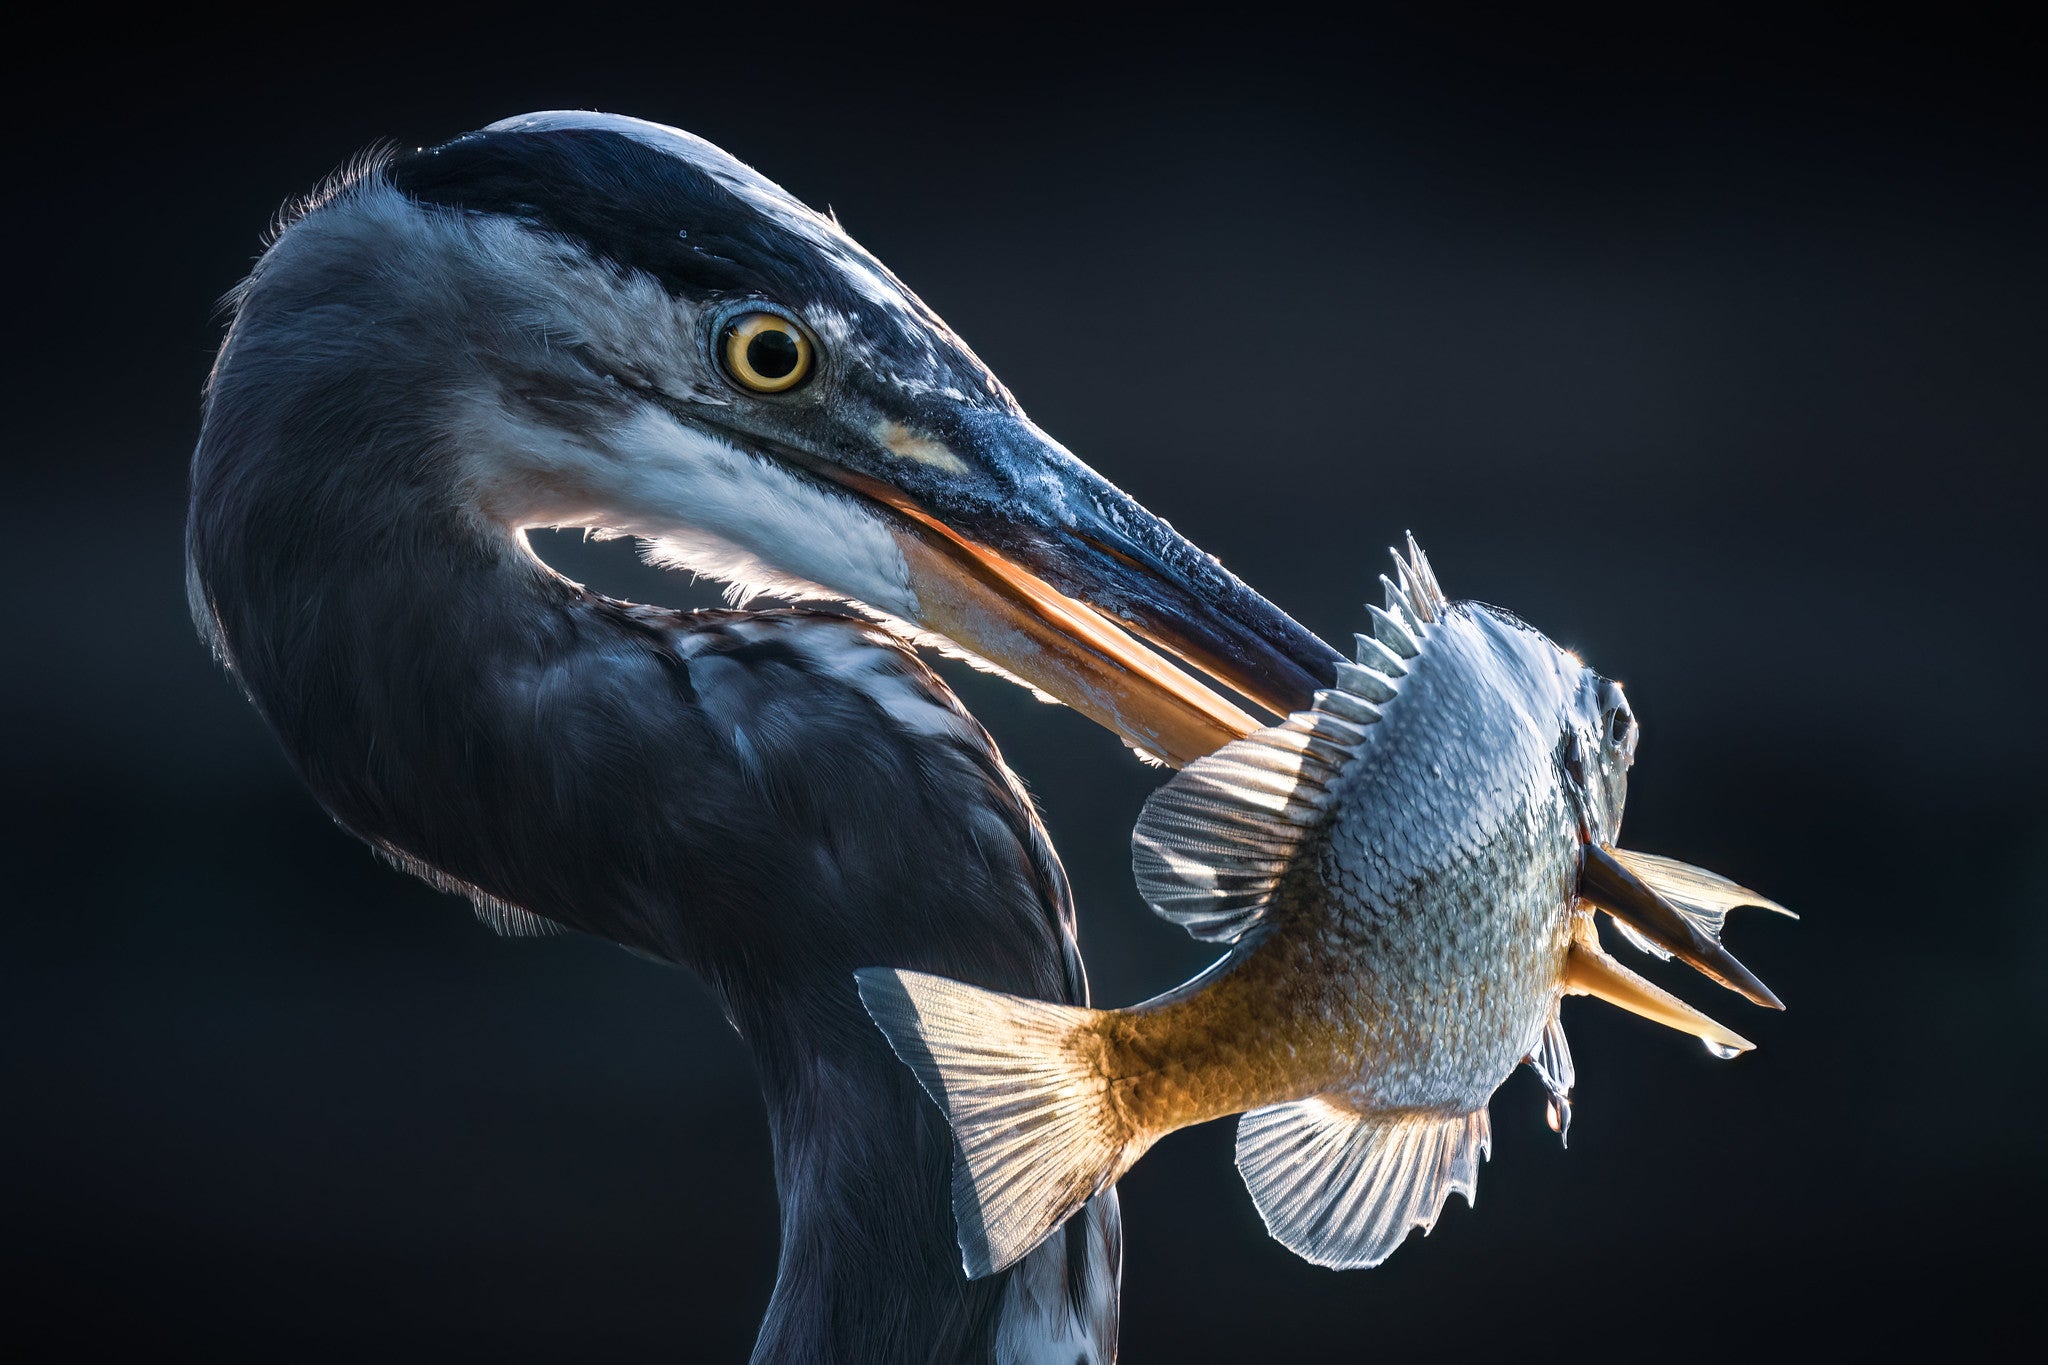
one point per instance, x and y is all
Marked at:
(1342, 1188)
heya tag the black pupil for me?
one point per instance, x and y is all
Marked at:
(772, 354)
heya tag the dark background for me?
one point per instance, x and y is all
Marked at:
(1715, 349)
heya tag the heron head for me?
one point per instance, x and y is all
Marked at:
(666, 345)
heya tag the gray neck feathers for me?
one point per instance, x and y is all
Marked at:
(508, 735)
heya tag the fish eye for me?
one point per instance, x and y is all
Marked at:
(1621, 727)
(765, 352)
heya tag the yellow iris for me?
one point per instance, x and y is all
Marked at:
(766, 352)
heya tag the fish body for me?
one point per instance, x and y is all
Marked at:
(1401, 872)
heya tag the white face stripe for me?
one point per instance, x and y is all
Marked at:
(701, 503)
(752, 523)
(695, 495)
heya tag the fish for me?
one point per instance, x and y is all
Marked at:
(1407, 876)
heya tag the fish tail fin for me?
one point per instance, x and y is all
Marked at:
(1342, 1188)
(1023, 1087)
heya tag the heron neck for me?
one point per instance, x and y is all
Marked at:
(453, 703)
(868, 1267)
(362, 650)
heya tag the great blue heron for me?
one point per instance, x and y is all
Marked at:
(590, 321)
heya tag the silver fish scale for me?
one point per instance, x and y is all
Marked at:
(1438, 898)
(1399, 871)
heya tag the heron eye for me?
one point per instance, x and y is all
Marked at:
(766, 353)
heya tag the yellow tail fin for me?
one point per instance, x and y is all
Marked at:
(1028, 1106)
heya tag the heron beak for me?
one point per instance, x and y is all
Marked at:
(1065, 582)
(1063, 646)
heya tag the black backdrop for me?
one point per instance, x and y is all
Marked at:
(1716, 351)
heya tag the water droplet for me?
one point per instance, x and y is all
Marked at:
(1721, 1050)
(1558, 1114)
(682, 232)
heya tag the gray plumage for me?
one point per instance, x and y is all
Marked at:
(769, 799)
(548, 323)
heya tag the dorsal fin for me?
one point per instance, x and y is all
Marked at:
(1424, 596)
(1212, 844)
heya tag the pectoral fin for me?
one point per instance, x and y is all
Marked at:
(1551, 1059)
(1589, 971)
(1211, 845)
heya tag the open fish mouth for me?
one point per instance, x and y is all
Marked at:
(1668, 909)
(1609, 879)
(1664, 907)
(1345, 1144)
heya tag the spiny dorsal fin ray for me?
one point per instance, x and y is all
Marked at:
(1397, 600)
(1341, 1188)
(1425, 595)
(1392, 632)
(1373, 657)
(1418, 596)
(1211, 844)
(1345, 706)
